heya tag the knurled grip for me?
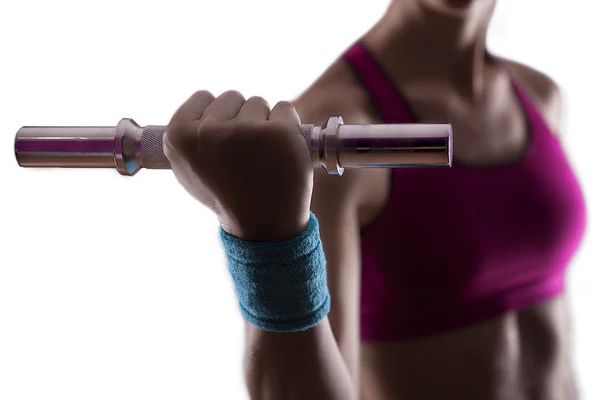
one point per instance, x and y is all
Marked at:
(306, 132)
(152, 155)
(151, 148)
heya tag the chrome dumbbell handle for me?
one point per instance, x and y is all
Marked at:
(334, 146)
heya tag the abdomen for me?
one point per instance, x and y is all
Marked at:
(516, 356)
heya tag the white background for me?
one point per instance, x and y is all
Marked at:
(116, 288)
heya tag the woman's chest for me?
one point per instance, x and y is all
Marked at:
(532, 211)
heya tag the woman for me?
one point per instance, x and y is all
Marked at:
(442, 283)
(449, 283)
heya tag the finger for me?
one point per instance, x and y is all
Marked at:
(284, 111)
(193, 108)
(225, 107)
(255, 108)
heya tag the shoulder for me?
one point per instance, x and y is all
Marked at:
(336, 92)
(543, 91)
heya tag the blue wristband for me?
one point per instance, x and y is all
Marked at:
(280, 286)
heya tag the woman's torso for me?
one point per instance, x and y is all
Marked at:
(521, 354)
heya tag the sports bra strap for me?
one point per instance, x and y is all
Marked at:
(388, 101)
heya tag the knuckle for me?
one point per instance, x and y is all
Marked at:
(209, 125)
(285, 104)
(200, 94)
(201, 97)
(257, 99)
(214, 130)
(232, 93)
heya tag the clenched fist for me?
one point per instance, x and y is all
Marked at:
(244, 161)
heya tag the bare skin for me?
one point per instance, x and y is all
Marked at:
(209, 142)
(522, 355)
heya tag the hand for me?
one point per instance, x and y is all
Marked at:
(245, 162)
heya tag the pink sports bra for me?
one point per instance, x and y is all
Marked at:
(457, 246)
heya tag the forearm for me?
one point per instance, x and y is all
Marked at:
(296, 365)
(281, 284)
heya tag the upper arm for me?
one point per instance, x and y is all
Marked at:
(543, 90)
(335, 204)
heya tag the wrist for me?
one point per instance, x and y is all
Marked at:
(270, 229)
(281, 286)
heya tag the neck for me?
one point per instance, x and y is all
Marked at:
(442, 42)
